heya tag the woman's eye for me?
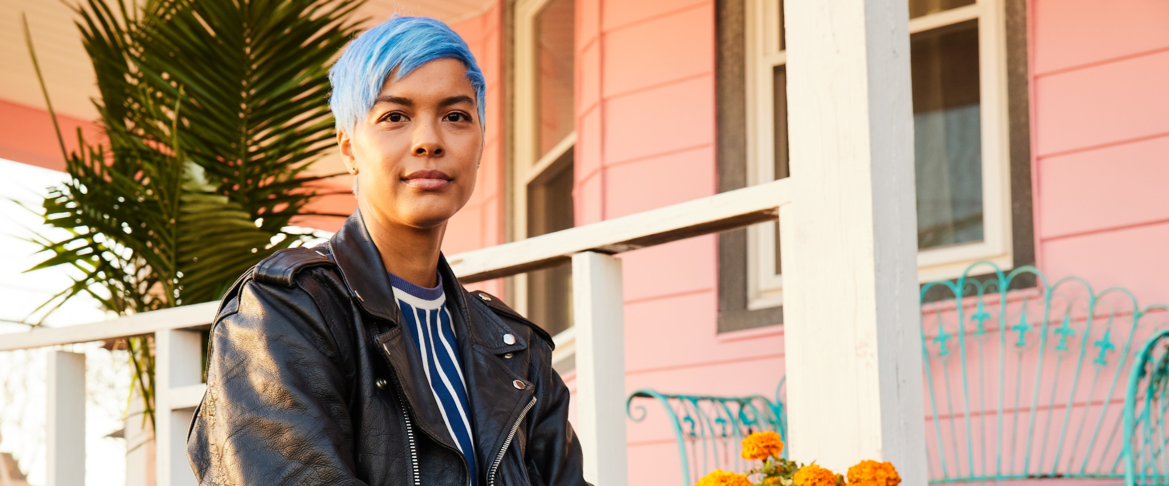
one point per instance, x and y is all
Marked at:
(458, 117)
(395, 117)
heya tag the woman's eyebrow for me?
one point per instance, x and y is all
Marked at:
(454, 100)
(394, 99)
(399, 100)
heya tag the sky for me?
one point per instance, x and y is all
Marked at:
(23, 373)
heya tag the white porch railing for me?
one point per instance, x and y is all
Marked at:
(597, 339)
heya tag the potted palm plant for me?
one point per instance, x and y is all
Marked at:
(212, 112)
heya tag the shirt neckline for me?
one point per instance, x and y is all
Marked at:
(417, 291)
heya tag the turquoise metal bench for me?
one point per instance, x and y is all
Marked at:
(709, 430)
(1027, 380)
(1145, 407)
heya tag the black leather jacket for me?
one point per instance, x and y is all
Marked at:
(311, 380)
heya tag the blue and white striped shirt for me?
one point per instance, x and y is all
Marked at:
(429, 322)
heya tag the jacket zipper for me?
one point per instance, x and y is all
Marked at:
(410, 440)
(410, 424)
(507, 443)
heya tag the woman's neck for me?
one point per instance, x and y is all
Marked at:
(410, 253)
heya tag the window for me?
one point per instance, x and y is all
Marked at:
(545, 135)
(550, 209)
(768, 148)
(961, 152)
(962, 158)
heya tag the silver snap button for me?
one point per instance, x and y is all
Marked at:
(508, 355)
(508, 339)
(519, 385)
(381, 383)
(485, 297)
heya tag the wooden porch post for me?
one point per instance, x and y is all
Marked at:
(65, 425)
(598, 314)
(853, 342)
(178, 367)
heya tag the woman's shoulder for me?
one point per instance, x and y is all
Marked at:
(300, 280)
(293, 296)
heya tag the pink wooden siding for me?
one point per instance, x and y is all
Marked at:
(1101, 141)
(646, 139)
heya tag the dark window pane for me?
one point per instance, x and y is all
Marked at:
(782, 29)
(779, 113)
(555, 57)
(918, 8)
(550, 209)
(778, 251)
(947, 135)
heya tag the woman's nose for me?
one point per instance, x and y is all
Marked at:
(427, 141)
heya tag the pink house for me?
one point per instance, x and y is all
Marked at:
(1042, 138)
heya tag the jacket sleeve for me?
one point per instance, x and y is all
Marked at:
(553, 448)
(275, 411)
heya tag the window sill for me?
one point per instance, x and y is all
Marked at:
(749, 334)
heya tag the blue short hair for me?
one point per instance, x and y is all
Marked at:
(403, 44)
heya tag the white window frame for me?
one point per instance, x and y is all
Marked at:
(527, 164)
(764, 286)
(765, 289)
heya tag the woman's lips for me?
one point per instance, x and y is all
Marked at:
(427, 180)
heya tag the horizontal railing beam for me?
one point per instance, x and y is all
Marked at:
(193, 316)
(186, 397)
(723, 212)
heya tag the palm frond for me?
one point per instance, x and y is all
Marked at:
(259, 97)
(213, 110)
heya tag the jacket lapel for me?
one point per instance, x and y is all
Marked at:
(496, 400)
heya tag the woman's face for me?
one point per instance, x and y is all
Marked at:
(417, 151)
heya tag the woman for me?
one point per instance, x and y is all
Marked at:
(363, 361)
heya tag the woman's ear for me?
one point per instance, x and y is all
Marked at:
(345, 144)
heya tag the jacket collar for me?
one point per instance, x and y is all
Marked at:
(363, 270)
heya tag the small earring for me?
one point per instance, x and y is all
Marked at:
(353, 170)
(477, 165)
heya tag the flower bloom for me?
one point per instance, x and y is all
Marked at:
(873, 473)
(813, 475)
(723, 478)
(761, 445)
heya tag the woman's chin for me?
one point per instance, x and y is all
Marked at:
(426, 219)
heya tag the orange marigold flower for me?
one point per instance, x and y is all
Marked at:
(772, 481)
(813, 475)
(761, 445)
(723, 478)
(873, 473)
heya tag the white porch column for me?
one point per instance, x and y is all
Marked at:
(178, 361)
(66, 419)
(598, 313)
(853, 343)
